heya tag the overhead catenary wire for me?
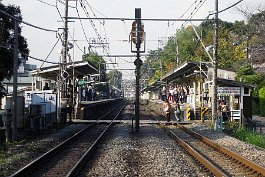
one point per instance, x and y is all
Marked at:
(34, 58)
(181, 16)
(50, 52)
(94, 27)
(82, 26)
(68, 33)
(229, 7)
(46, 3)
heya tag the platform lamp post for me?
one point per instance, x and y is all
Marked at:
(137, 38)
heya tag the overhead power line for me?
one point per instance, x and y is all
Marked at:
(143, 19)
(46, 3)
(26, 23)
(226, 8)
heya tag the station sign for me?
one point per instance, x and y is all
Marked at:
(228, 90)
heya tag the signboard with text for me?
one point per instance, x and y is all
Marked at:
(228, 90)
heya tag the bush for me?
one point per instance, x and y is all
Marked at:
(262, 100)
(250, 137)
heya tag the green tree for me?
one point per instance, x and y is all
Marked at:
(98, 62)
(115, 78)
(7, 41)
(256, 31)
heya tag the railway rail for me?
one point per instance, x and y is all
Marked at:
(218, 159)
(68, 158)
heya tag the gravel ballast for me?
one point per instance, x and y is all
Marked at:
(148, 153)
(151, 152)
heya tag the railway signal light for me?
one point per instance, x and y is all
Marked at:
(134, 32)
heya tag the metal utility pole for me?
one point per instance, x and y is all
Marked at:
(215, 62)
(138, 65)
(64, 74)
(14, 107)
(65, 49)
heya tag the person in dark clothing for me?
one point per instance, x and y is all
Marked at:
(46, 86)
(224, 111)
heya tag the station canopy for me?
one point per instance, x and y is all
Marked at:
(184, 71)
(80, 68)
(189, 69)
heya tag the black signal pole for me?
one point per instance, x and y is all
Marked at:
(138, 65)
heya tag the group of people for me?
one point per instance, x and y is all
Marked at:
(88, 93)
(177, 93)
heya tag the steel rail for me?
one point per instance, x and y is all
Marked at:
(26, 170)
(83, 160)
(226, 151)
(205, 162)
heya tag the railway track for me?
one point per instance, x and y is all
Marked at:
(68, 158)
(217, 159)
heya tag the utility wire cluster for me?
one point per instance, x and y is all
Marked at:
(195, 6)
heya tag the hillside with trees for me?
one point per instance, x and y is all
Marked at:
(241, 49)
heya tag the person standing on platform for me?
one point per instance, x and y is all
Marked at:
(167, 109)
(225, 111)
(46, 86)
(177, 110)
(69, 107)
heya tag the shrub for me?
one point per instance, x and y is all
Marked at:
(250, 137)
(262, 100)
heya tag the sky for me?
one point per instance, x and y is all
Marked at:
(46, 14)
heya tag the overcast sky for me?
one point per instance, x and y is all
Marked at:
(47, 16)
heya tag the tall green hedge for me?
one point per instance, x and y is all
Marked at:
(262, 100)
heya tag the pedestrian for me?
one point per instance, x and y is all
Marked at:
(177, 110)
(167, 108)
(46, 86)
(164, 94)
(224, 111)
(69, 107)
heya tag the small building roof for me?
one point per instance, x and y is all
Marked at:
(52, 72)
(227, 82)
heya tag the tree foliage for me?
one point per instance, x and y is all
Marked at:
(115, 78)
(7, 41)
(98, 62)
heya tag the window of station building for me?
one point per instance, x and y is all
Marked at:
(246, 90)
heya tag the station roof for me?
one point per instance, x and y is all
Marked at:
(184, 70)
(227, 82)
(52, 72)
(189, 68)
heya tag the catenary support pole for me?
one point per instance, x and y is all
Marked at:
(65, 49)
(15, 65)
(215, 63)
